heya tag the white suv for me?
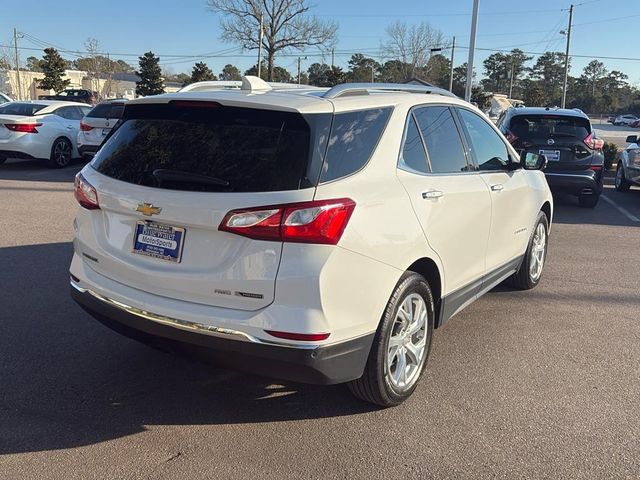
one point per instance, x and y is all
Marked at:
(307, 234)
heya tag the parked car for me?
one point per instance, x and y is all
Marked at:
(628, 169)
(40, 129)
(97, 124)
(307, 234)
(566, 138)
(635, 124)
(624, 119)
(4, 98)
(611, 118)
(73, 95)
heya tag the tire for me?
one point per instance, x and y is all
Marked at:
(382, 381)
(588, 201)
(61, 152)
(524, 278)
(621, 182)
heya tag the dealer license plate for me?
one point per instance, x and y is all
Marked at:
(552, 155)
(158, 241)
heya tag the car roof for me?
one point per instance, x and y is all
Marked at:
(51, 104)
(571, 112)
(307, 99)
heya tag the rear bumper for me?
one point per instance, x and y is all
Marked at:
(87, 150)
(575, 183)
(327, 364)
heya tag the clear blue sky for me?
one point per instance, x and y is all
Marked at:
(602, 28)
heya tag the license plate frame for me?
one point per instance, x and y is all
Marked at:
(552, 155)
(157, 246)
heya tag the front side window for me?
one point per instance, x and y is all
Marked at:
(354, 137)
(486, 145)
(442, 141)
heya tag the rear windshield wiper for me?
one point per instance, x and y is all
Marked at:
(165, 174)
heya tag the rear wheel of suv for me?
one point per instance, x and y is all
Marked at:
(588, 200)
(621, 182)
(401, 346)
(61, 151)
(530, 271)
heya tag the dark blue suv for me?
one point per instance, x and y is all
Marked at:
(575, 159)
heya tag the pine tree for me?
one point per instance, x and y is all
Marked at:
(53, 66)
(201, 73)
(150, 76)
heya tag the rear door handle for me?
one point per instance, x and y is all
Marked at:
(432, 194)
(497, 187)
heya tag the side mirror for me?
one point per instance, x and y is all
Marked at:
(533, 161)
(632, 139)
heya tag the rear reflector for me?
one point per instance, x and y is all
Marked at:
(595, 168)
(23, 127)
(302, 337)
(84, 127)
(85, 194)
(321, 221)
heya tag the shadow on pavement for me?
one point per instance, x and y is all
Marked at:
(37, 171)
(67, 381)
(567, 210)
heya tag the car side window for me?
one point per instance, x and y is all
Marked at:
(487, 147)
(413, 156)
(64, 112)
(442, 140)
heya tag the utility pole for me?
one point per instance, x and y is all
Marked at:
(333, 57)
(453, 51)
(472, 50)
(260, 36)
(373, 80)
(15, 43)
(511, 80)
(566, 59)
(298, 70)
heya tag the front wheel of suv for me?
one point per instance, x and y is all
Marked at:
(588, 200)
(530, 271)
(621, 182)
(401, 346)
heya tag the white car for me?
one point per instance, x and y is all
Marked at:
(628, 169)
(308, 234)
(41, 129)
(97, 124)
(624, 119)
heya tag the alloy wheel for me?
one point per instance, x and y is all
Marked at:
(407, 343)
(538, 252)
(62, 153)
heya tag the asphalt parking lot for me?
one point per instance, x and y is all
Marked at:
(538, 384)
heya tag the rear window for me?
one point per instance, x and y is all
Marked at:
(541, 127)
(208, 148)
(107, 110)
(28, 109)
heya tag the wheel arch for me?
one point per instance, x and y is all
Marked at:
(429, 270)
(546, 209)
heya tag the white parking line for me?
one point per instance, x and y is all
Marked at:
(622, 210)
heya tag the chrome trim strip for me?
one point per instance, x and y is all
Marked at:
(569, 175)
(189, 326)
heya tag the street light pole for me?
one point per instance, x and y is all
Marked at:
(260, 36)
(453, 51)
(472, 49)
(511, 80)
(15, 43)
(566, 59)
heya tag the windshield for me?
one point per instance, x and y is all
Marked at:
(247, 150)
(534, 128)
(15, 108)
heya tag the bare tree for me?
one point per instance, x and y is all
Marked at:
(412, 45)
(286, 25)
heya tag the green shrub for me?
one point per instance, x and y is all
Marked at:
(610, 151)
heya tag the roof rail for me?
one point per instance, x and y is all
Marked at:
(365, 88)
(211, 85)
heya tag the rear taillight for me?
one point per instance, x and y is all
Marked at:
(84, 127)
(85, 194)
(591, 142)
(320, 221)
(23, 127)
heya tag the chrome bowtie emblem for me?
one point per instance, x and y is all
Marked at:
(148, 209)
(550, 141)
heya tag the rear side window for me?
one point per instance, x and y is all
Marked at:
(441, 138)
(208, 148)
(354, 137)
(525, 129)
(413, 154)
(28, 109)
